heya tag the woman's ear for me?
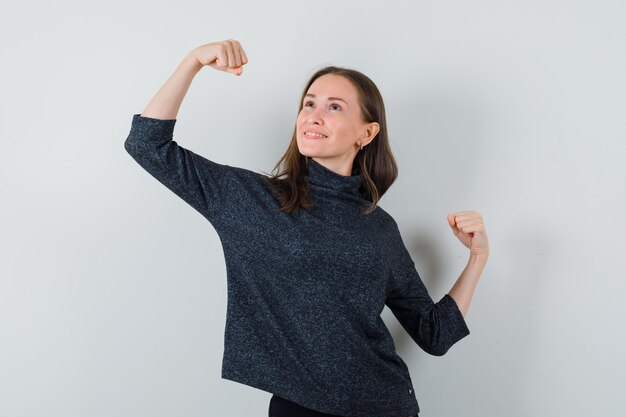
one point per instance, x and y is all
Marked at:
(371, 130)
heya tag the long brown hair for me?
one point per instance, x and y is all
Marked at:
(375, 162)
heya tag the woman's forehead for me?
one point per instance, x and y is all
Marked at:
(330, 85)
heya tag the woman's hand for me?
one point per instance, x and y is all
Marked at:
(225, 55)
(468, 227)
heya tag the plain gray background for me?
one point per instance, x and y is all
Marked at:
(113, 290)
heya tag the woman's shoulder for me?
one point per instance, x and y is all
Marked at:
(246, 174)
(384, 215)
(247, 182)
(384, 224)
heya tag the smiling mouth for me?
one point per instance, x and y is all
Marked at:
(311, 135)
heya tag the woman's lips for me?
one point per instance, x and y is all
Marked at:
(309, 135)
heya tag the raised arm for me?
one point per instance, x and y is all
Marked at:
(468, 227)
(202, 183)
(225, 56)
(435, 327)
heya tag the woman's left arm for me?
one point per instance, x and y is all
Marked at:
(468, 227)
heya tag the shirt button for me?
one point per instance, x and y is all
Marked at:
(410, 391)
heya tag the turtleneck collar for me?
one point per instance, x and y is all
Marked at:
(321, 176)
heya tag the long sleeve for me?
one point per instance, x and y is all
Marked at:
(201, 183)
(435, 327)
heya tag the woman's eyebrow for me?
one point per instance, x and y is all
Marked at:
(330, 98)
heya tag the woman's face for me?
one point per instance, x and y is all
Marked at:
(331, 108)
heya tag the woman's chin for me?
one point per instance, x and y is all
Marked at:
(308, 150)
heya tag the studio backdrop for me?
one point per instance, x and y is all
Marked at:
(113, 289)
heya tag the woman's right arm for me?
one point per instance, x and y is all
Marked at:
(225, 56)
(200, 182)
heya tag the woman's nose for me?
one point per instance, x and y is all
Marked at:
(315, 116)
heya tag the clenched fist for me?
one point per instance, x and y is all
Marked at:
(468, 227)
(225, 55)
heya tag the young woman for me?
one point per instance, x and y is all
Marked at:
(311, 258)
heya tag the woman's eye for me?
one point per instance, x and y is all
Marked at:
(332, 106)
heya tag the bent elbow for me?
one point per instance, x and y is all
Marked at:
(437, 350)
(435, 344)
(130, 146)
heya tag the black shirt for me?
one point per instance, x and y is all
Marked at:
(306, 290)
